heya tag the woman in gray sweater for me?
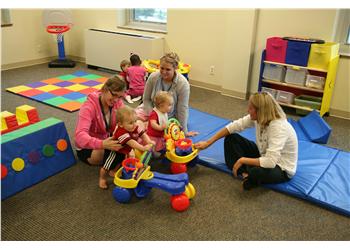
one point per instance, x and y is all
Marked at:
(167, 79)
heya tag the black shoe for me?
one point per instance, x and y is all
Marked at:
(247, 185)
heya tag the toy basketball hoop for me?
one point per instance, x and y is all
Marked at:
(57, 22)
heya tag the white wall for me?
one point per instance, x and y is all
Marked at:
(224, 38)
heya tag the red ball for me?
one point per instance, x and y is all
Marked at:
(3, 171)
(180, 202)
(178, 168)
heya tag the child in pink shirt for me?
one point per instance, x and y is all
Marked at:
(136, 77)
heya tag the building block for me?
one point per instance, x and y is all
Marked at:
(315, 128)
(32, 154)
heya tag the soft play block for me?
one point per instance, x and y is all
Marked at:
(32, 154)
(204, 123)
(298, 130)
(316, 129)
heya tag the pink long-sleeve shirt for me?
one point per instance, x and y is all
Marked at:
(91, 130)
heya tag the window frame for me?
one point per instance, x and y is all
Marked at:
(342, 31)
(6, 20)
(130, 23)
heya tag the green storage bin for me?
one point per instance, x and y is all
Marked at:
(307, 101)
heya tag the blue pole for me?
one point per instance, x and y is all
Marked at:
(60, 44)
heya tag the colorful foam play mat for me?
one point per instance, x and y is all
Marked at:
(66, 92)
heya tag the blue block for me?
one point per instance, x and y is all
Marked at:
(33, 173)
(315, 128)
(298, 130)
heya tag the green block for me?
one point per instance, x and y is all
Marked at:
(29, 129)
(57, 100)
(92, 76)
(81, 100)
(67, 77)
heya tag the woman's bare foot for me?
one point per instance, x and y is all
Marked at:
(244, 175)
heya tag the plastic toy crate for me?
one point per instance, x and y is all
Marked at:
(295, 75)
(312, 102)
(297, 53)
(321, 54)
(316, 82)
(273, 92)
(274, 72)
(285, 97)
(276, 49)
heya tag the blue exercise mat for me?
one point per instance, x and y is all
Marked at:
(322, 175)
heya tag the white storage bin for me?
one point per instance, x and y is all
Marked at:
(285, 97)
(273, 92)
(316, 82)
(274, 72)
(296, 75)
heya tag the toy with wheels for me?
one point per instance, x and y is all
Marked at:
(179, 150)
(153, 66)
(136, 177)
(57, 22)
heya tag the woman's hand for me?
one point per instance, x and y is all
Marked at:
(191, 133)
(111, 144)
(201, 145)
(236, 166)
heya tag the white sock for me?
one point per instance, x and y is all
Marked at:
(128, 99)
(136, 99)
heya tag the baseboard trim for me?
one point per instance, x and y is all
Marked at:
(216, 88)
(340, 114)
(37, 61)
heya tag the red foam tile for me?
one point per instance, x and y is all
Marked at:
(87, 91)
(31, 92)
(60, 92)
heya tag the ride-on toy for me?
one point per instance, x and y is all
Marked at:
(136, 177)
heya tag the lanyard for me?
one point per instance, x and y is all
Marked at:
(107, 124)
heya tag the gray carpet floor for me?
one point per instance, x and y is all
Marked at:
(70, 206)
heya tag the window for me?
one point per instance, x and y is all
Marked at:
(342, 31)
(5, 18)
(146, 19)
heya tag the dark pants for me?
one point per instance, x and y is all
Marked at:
(236, 146)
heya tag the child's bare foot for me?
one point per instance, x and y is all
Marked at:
(102, 181)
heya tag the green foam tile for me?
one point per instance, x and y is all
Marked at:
(81, 100)
(67, 77)
(57, 100)
(92, 76)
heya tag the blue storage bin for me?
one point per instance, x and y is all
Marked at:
(298, 53)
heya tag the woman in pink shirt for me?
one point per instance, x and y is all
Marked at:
(135, 75)
(97, 120)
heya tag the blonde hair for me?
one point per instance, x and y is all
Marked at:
(123, 112)
(267, 108)
(162, 97)
(171, 58)
(124, 63)
(114, 84)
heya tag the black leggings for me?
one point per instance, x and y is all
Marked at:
(236, 146)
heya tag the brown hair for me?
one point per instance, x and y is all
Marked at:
(162, 97)
(114, 84)
(171, 58)
(124, 63)
(123, 112)
(266, 108)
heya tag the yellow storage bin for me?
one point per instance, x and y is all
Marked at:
(321, 54)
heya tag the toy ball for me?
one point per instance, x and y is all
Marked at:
(178, 168)
(180, 202)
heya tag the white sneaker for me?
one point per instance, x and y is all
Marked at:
(128, 99)
(136, 99)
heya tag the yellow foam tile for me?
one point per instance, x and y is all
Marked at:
(76, 87)
(98, 86)
(18, 89)
(48, 88)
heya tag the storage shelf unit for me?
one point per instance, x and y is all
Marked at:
(325, 93)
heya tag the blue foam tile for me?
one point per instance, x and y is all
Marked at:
(43, 96)
(35, 84)
(74, 95)
(204, 123)
(333, 188)
(80, 73)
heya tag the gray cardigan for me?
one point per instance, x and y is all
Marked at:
(180, 90)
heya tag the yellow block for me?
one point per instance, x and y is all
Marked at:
(4, 115)
(21, 113)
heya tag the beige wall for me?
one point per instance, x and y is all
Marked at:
(231, 40)
(27, 40)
